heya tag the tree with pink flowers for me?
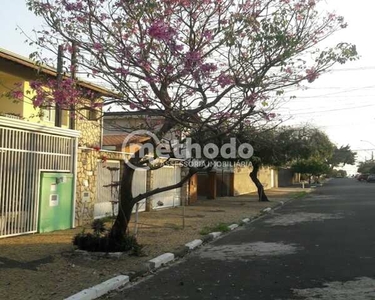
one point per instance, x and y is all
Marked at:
(200, 64)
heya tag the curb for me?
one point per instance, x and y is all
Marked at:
(161, 260)
(100, 289)
(100, 254)
(215, 235)
(233, 226)
(194, 244)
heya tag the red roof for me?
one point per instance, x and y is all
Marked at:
(118, 139)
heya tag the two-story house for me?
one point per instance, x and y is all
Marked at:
(47, 172)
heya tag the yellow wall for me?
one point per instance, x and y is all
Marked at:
(23, 108)
(243, 184)
(7, 105)
(33, 114)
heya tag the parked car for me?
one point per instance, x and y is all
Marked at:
(371, 178)
(362, 177)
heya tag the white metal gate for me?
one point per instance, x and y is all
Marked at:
(164, 177)
(25, 150)
(106, 195)
(108, 173)
(139, 187)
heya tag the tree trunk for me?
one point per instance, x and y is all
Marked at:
(254, 177)
(120, 227)
(126, 199)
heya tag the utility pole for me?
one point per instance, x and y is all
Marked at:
(72, 124)
(58, 111)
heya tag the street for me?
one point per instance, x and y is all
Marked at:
(318, 247)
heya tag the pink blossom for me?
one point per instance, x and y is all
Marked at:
(69, 6)
(64, 93)
(208, 68)
(332, 16)
(312, 74)
(17, 94)
(35, 85)
(298, 6)
(208, 35)
(311, 3)
(251, 99)
(98, 46)
(81, 19)
(193, 56)
(122, 71)
(192, 59)
(224, 80)
(270, 116)
(161, 31)
(300, 17)
(289, 70)
(38, 100)
(68, 47)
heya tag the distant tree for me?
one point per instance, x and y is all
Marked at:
(282, 147)
(342, 156)
(366, 167)
(314, 166)
(337, 173)
(343, 173)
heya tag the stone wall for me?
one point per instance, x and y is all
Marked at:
(91, 133)
(86, 182)
(87, 158)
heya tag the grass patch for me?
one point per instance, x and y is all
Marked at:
(299, 195)
(221, 227)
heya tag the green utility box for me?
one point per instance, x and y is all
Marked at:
(56, 201)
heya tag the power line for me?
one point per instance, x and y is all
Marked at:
(300, 107)
(332, 110)
(352, 69)
(336, 93)
(345, 125)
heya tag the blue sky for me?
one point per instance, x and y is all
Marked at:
(342, 102)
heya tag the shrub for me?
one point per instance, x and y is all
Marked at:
(101, 241)
(98, 226)
(105, 243)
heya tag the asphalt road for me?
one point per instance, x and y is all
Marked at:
(319, 247)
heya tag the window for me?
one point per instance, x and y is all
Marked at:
(48, 114)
